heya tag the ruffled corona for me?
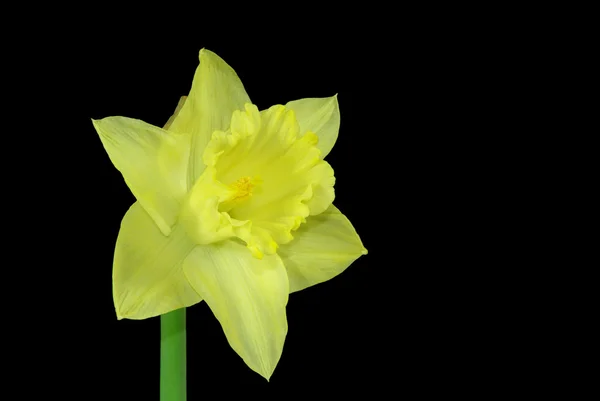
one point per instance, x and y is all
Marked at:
(262, 179)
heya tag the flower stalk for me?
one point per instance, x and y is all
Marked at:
(172, 356)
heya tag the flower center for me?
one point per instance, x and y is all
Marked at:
(243, 190)
(277, 180)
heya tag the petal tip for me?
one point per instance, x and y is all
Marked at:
(266, 374)
(336, 103)
(99, 127)
(204, 52)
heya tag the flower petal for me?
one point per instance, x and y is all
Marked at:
(322, 248)
(153, 163)
(247, 295)
(321, 116)
(216, 92)
(148, 278)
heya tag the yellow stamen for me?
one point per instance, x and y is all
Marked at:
(243, 188)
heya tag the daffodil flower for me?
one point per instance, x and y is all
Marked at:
(234, 207)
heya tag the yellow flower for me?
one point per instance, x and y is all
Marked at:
(234, 207)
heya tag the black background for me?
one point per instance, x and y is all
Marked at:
(433, 165)
(389, 324)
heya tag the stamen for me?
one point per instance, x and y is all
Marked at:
(244, 188)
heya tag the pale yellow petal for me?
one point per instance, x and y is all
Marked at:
(321, 116)
(153, 162)
(216, 92)
(148, 278)
(322, 248)
(247, 295)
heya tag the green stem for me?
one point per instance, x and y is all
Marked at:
(172, 356)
